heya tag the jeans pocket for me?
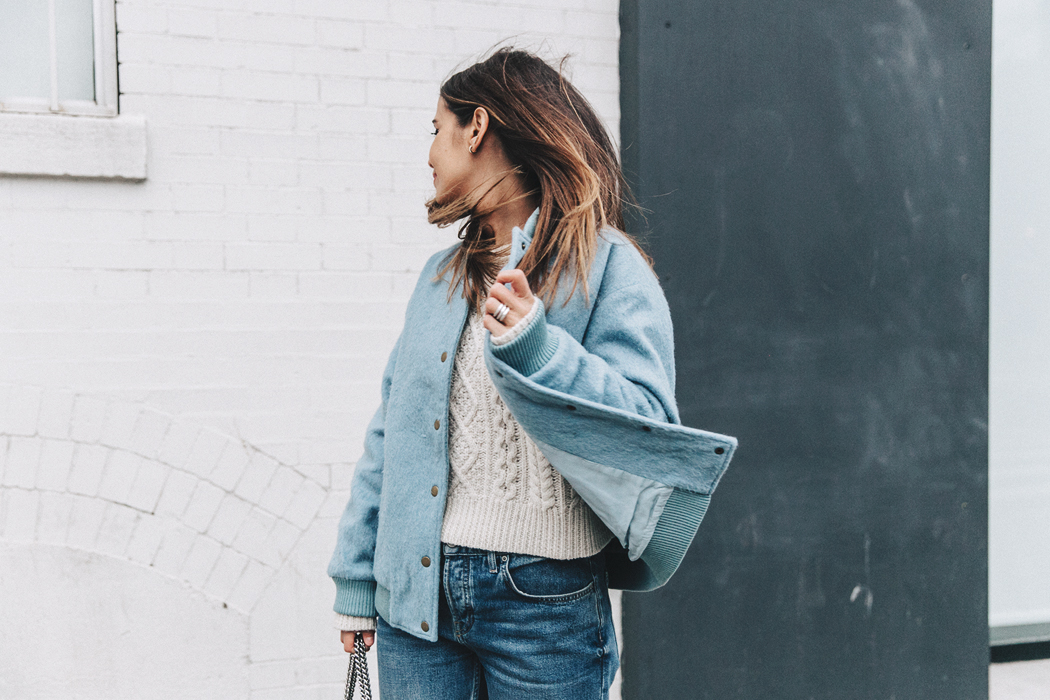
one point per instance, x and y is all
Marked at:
(549, 580)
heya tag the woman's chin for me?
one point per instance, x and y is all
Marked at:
(444, 197)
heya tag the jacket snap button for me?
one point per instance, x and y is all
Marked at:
(571, 408)
(437, 425)
(433, 490)
(719, 450)
(424, 626)
(523, 245)
(426, 561)
(647, 429)
(444, 356)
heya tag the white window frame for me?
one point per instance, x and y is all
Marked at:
(76, 138)
(104, 41)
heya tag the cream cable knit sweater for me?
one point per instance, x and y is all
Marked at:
(503, 494)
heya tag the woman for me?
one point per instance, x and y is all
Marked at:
(527, 454)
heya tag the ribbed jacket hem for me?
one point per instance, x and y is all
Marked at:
(674, 531)
(355, 598)
(507, 526)
(532, 349)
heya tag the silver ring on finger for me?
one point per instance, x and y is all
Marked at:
(501, 312)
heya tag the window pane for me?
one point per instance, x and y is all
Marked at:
(25, 49)
(75, 23)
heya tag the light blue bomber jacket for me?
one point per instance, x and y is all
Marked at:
(590, 381)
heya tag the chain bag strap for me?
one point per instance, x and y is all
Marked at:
(358, 671)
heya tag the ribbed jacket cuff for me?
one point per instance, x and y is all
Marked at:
(355, 598)
(532, 349)
(675, 531)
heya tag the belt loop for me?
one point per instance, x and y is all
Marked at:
(492, 561)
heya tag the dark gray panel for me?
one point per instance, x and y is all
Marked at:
(816, 175)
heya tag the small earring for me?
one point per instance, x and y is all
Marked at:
(470, 148)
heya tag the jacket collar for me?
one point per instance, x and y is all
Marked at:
(521, 238)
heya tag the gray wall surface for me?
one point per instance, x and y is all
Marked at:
(816, 179)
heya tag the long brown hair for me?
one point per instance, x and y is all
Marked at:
(558, 144)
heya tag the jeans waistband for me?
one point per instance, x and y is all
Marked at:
(447, 548)
(459, 549)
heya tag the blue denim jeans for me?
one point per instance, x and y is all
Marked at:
(510, 626)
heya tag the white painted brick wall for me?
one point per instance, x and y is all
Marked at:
(187, 364)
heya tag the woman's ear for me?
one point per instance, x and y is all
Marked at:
(479, 125)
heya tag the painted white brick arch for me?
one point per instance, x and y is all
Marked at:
(124, 480)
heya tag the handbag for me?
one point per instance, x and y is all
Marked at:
(358, 671)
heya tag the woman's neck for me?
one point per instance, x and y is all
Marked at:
(514, 211)
(502, 221)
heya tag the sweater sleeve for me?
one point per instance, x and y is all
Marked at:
(520, 327)
(349, 623)
(351, 563)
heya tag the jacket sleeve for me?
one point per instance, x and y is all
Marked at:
(351, 563)
(625, 361)
(603, 412)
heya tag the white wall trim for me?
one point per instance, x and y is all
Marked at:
(61, 146)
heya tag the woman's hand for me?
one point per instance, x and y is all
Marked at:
(519, 298)
(348, 640)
